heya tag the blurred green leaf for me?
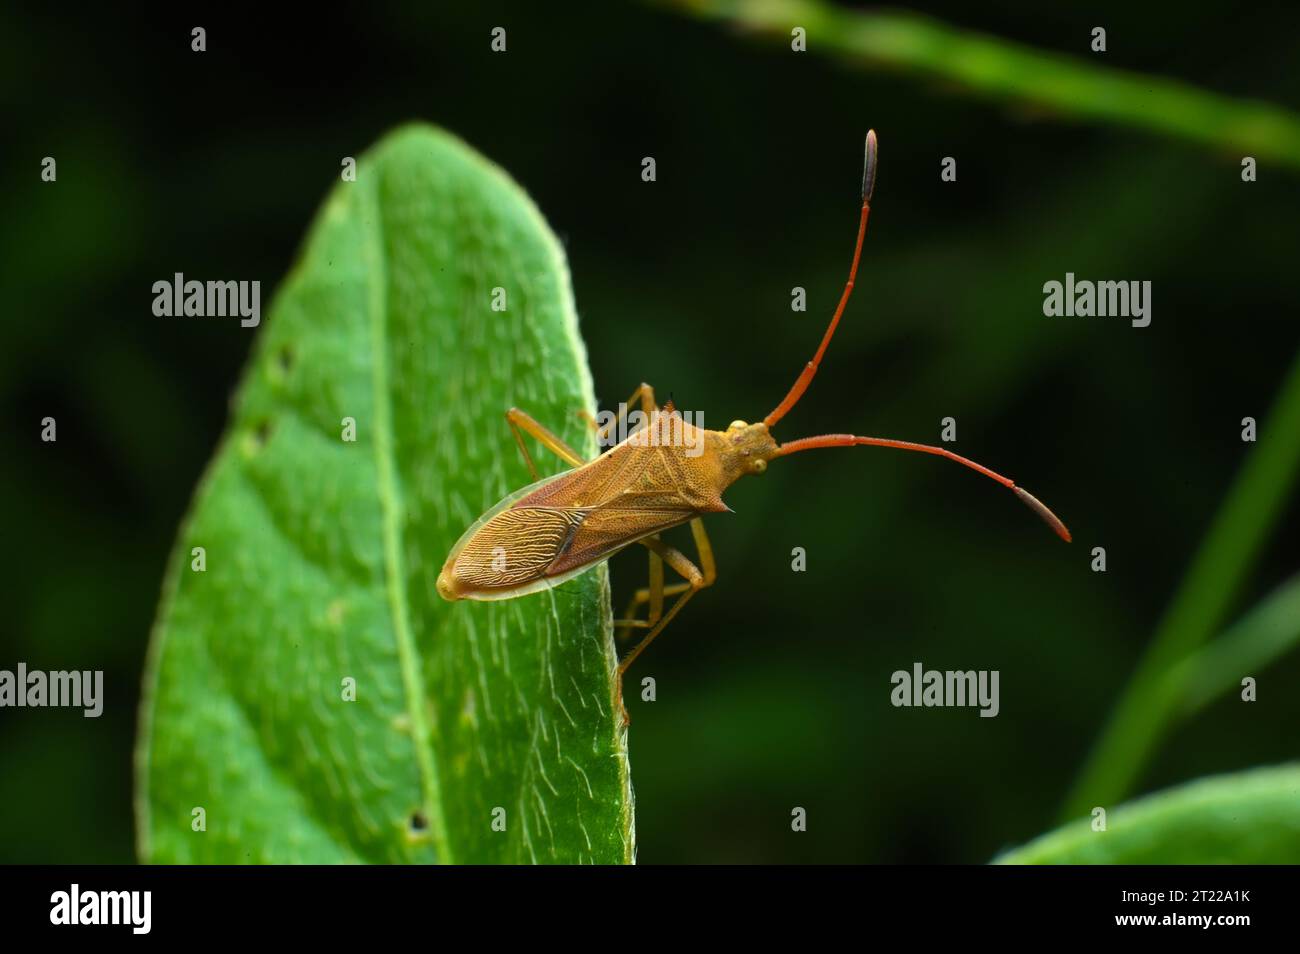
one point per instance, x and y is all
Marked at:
(1248, 818)
(1001, 69)
(322, 554)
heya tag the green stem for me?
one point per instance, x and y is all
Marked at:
(1055, 83)
(1266, 633)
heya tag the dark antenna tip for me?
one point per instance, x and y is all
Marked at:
(1040, 508)
(869, 167)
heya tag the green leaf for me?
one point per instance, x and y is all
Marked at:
(1249, 818)
(322, 555)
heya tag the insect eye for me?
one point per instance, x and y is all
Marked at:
(737, 425)
(759, 466)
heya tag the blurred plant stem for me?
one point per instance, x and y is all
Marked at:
(1169, 680)
(1053, 82)
(1267, 632)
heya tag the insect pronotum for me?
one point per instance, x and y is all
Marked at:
(666, 473)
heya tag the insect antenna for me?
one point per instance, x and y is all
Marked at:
(805, 377)
(850, 440)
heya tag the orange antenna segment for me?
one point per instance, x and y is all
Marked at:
(850, 440)
(805, 378)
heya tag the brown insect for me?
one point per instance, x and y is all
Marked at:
(666, 473)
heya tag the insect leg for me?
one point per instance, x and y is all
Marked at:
(656, 586)
(708, 570)
(654, 594)
(696, 580)
(519, 419)
(704, 551)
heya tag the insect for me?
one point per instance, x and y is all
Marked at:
(664, 474)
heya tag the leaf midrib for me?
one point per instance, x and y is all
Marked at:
(390, 508)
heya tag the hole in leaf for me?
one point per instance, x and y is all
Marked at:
(418, 822)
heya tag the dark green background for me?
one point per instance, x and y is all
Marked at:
(773, 686)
